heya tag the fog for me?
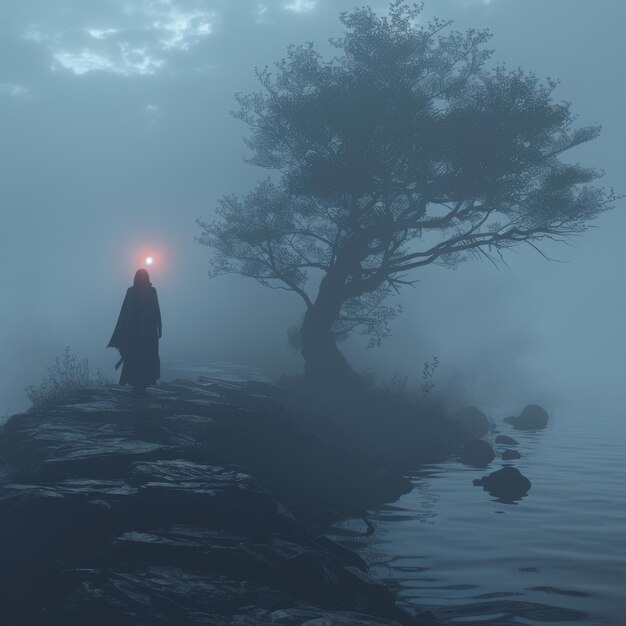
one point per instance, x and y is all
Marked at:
(116, 134)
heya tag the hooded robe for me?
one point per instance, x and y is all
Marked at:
(137, 333)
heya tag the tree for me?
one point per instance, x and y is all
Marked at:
(406, 149)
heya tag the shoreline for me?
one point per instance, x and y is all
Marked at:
(202, 502)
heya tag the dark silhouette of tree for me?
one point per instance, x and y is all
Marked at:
(407, 149)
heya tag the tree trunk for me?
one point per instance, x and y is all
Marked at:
(324, 364)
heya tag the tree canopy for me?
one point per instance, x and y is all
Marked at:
(410, 147)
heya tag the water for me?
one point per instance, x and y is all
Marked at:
(556, 557)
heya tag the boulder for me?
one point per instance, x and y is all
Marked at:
(506, 440)
(532, 417)
(507, 484)
(508, 455)
(477, 453)
(473, 421)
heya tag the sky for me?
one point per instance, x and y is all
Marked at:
(116, 134)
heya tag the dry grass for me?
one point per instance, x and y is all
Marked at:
(64, 381)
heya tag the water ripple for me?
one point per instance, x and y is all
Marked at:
(556, 557)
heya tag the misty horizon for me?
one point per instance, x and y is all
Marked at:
(117, 136)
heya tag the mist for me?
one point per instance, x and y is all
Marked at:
(116, 135)
(468, 468)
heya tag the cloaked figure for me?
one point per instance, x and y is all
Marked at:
(137, 334)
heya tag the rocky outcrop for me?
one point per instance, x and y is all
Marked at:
(506, 440)
(507, 484)
(477, 453)
(509, 455)
(201, 503)
(473, 421)
(531, 418)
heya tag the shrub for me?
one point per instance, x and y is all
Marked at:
(428, 372)
(64, 381)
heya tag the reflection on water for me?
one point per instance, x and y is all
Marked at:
(558, 556)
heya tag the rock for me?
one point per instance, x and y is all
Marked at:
(311, 617)
(163, 596)
(507, 484)
(507, 441)
(477, 453)
(175, 508)
(200, 494)
(508, 455)
(346, 556)
(532, 417)
(305, 576)
(374, 595)
(473, 421)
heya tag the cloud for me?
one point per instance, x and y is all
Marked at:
(133, 39)
(469, 3)
(97, 33)
(140, 37)
(10, 89)
(300, 6)
(153, 112)
(178, 28)
(260, 13)
(127, 61)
